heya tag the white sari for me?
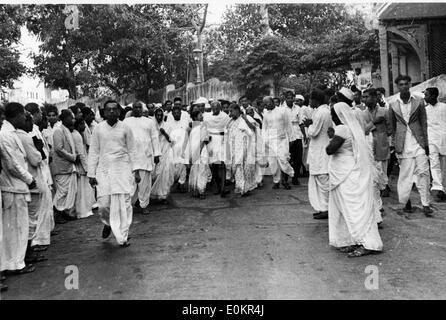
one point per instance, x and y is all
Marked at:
(197, 153)
(352, 218)
(163, 175)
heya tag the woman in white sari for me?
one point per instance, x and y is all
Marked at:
(352, 219)
(85, 193)
(163, 174)
(197, 153)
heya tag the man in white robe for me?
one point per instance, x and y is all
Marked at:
(178, 130)
(277, 131)
(436, 132)
(185, 116)
(43, 205)
(318, 181)
(147, 153)
(296, 134)
(64, 167)
(112, 170)
(15, 183)
(216, 127)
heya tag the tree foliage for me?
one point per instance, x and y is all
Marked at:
(10, 66)
(128, 48)
(311, 39)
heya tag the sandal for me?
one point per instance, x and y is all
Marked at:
(286, 186)
(125, 244)
(39, 248)
(3, 287)
(35, 259)
(359, 252)
(27, 269)
(348, 249)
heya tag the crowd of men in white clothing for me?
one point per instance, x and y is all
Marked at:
(60, 166)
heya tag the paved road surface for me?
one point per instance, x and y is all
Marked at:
(265, 246)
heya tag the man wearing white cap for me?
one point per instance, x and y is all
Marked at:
(318, 183)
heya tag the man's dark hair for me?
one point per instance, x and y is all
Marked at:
(371, 91)
(433, 91)
(32, 108)
(195, 114)
(111, 101)
(51, 108)
(403, 77)
(318, 95)
(75, 108)
(86, 111)
(65, 113)
(177, 99)
(242, 97)
(234, 106)
(329, 92)
(78, 123)
(382, 90)
(80, 105)
(353, 88)
(13, 109)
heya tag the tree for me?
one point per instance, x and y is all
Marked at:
(127, 48)
(64, 60)
(10, 66)
(319, 39)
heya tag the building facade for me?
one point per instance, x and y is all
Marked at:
(412, 41)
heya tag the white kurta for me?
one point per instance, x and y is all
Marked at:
(216, 126)
(147, 148)
(277, 132)
(14, 180)
(436, 132)
(178, 132)
(111, 161)
(318, 182)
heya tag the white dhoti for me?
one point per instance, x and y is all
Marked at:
(277, 151)
(417, 167)
(318, 191)
(66, 189)
(438, 168)
(45, 222)
(84, 197)
(180, 173)
(41, 219)
(15, 230)
(116, 211)
(142, 189)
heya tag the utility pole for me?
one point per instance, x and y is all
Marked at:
(198, 51)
